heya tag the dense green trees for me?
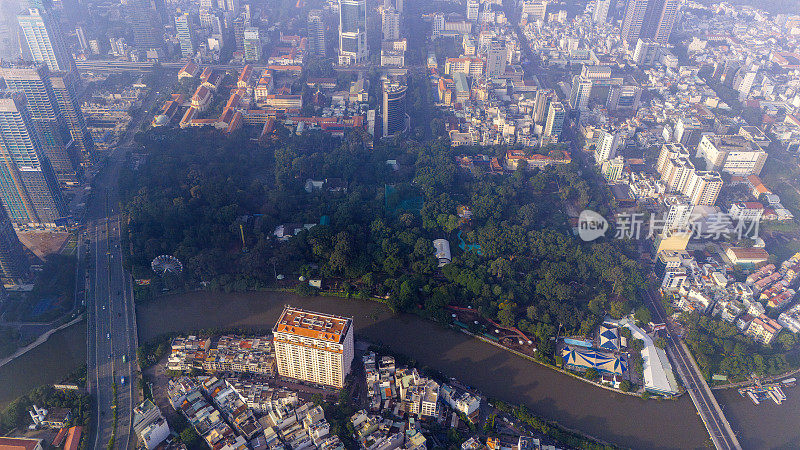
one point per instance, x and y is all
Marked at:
(719, 348)
(15, 415)
(198, 193)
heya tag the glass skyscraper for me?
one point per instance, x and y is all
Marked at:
(28, 188)
(45, 40)
(352, 31)
(57, 143)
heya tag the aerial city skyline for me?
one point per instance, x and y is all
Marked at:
(379, 225)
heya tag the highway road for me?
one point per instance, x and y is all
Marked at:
(707, 407)
(111, 325)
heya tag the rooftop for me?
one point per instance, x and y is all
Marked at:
(314, 325)
(8, 443)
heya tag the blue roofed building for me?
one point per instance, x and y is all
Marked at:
(582, 359)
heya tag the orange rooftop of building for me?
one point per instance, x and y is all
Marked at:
(313, 325)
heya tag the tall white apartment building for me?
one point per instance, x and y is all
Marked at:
(704, 187)
(580, 93)
(496, 58)
(607, 145)
(473, 8)
(600, 14)
(390, 24)
(679, 213)
(313, 347)
(534, 9)
(734, 154)
(679, 175)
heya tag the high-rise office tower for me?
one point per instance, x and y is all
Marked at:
(398, 5)
(45, 40)
(316, 32)
(661, 15)
(28, 187)
(649, 19)
(496, 56)
(145, 22)
(744, 80)
(555, 120)
(252, 44)
(82, 42)
(313, 347)
(635, 12)
(229, 5)
(239, 25)
(390, 24)
(580, 93)
(352, 31)
(394, 108)
(183, 28)
(437, 25)
(34, 81)
(473, 9)
(542, 104)
(601, 8)
(704, 187)
(534, 9)
(13, 262)
(65, 88)
(608, 142)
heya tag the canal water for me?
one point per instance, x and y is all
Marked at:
(48, 363)
(623, 420)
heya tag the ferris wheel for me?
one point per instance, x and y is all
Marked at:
(166, 263)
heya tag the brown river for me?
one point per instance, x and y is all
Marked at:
(620, 419)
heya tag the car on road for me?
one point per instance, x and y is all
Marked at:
(108, 335)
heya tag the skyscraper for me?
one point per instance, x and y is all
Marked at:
(542, 104)
(534, 9)
(437, 25)
(252, 44)
(82, 42)
(600, 14)
(473, 8)
(352, 31)
(316, 33)
(146, 25)
(28, 187)
(239, 24)
(580, 93)
(635, 12)
(390, 24)
(45, 40)
(660, 19)
(496, 58)
(65, 91)
(34, 82)
(183, 28)
(649, 19)
(13, 262)
(555, 120)
(394, 108)
(608, 142)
